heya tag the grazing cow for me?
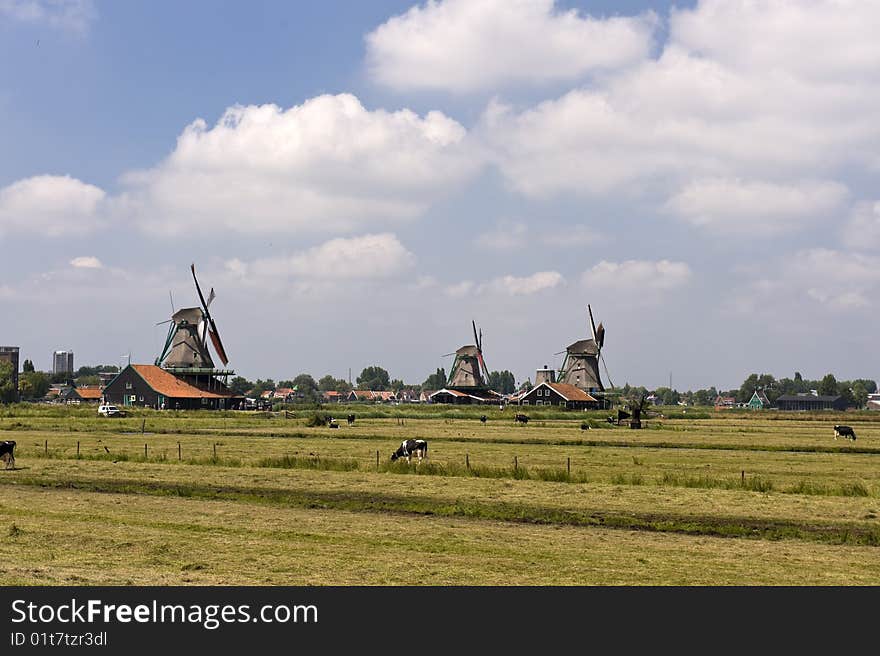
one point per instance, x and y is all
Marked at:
(351, 419)
(483, 419)
(844, 431)
(410, 448)
(7, 454)
(520, 418)
(332, 423)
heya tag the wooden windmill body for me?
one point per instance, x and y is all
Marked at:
(581, 364)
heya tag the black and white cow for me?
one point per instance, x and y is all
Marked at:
(7, 453)
(483, 418)
(521, 418)
(844, 431)
(350, 418)
(410, 448)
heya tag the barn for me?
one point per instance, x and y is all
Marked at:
(559, 394)
(153, 387)
(805, 402)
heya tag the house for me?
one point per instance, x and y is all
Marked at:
(458, 396)
(408, 395)
(425, 396)
(332, 396)
(84, 394)
(371, 396)
(723, 402)
(873, 402)
(284, 394)
(153, 387)
(759, 401)
(811, 401)
(559, 394)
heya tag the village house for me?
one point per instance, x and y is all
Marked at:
(153, 387)
(559, 394)
(759, 401)
(84, 394)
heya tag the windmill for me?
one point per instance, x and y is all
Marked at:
(186, 346)
(469, 368)
(581, 364)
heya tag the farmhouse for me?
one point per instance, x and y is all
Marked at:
(759, 401)
(84, 394)
(447, 395)
(810, 402)
(151, 386)
(370, 396)
(722, 402)
(559, 394)
(873, 402)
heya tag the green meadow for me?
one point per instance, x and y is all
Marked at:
(696, 497)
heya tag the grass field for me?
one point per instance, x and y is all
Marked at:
(695, 498)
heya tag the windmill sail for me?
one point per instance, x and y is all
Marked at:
(212, 327)
(581, 364)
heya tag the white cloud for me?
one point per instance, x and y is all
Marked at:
(862, 231)
(86, 262)
(328, 165)
(523, 286)
(73, 15)
(637, 275)
(823, 277)
(474, 45)
(506, 236)
(736, 206)
(365, 258)
(50, 205)
(460, 289)
(702, 112)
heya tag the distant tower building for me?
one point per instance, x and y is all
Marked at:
(10, 354)
(545, 375)
(62, 362)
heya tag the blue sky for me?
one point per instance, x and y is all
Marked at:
(359, 180)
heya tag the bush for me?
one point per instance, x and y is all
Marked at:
(318, 419)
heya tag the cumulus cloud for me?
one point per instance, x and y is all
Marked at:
(506, 236)
(524, 286)
(469, 45)
(86, 262)
(637, 275)
(72, 15)
(822, 277)
(862, 231)
(754, 207)
(326, 165)
(50, 205)
(745, 110)
(367, 257)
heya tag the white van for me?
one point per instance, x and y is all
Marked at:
(109, 411)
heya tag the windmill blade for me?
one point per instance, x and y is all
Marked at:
(212, 296)
(166, 321)
(172, 301)
(559, 352)
(213, 332)
(600, 336)
(446, 355)
(607, 375)
(476, 339)
(592, 324)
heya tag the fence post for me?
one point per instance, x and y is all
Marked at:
(143, 426)
(77, 449)
(568, 465)
(145, 451)
(467, 460)
(377, 459)
(215, 450)
(742, 477)
(515, 463)
(46, 447)
(178, 451)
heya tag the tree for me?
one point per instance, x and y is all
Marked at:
(828, 386)
(435, 381)
(397, 384)
(502, 382)
(373, 378)
(27, 366)
(860, 394)
(33, 385)
(262, 385)
(8, 393)
(667, 396)
(526, 385)
(240, 385)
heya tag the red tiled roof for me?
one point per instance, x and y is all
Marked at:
(171, 386)
(570, 392)
(89, 392)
